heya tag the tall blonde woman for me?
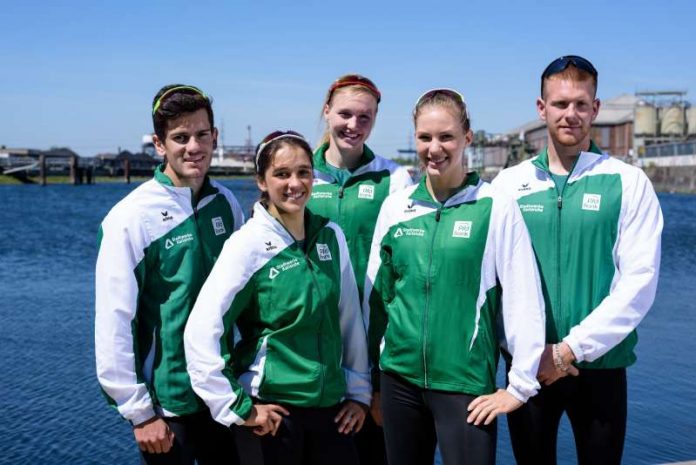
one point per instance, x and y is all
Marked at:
(450, 257)
(350, 184)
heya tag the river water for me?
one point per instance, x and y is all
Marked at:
(50, 401)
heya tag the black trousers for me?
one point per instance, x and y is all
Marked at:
(197, 438)
(309, 436)
(595, 402)
(369, 442)
(417, 419)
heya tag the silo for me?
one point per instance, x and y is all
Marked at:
(672, 120)
(645, 120)
(691, 120)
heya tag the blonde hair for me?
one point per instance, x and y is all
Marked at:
(348, 82)
(444, 98)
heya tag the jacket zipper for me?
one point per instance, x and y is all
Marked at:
(321, 321)
(427, 298)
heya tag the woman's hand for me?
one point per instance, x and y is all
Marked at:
(486, 408)
(548, 371)
(351, 417)
(265, 418)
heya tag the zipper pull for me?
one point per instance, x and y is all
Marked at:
(340, 192)
(559, 202)
(437, 215)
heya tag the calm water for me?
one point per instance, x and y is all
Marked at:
(53, 411)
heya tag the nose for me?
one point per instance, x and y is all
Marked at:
(352, 122)
(193, 144)
(294, 181)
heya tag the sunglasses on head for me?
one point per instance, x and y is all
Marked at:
(560, 64)
(169, 92)
(274, 136)
(355, 80)
(444, 91)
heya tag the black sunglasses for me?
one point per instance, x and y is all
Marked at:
(560, 64)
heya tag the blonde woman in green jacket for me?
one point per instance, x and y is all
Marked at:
(450, 259)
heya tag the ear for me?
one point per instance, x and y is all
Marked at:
(159, 146)
(469, 137)
(541, 108)
(261, 183)
(327, 109)
(215, 138)
(595, 108)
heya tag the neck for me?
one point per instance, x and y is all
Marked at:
(563, 157)
(342, 158)
(195, 184)
(442, 189)
(293, 222)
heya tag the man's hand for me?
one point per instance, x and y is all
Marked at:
(154, 436)
(376, 409)
(548, 372)
(266, 418)
(351, 417)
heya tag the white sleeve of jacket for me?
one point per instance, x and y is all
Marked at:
(205, 328)
(354, 361)
(637, 265)
(400, 179)
(522, 299)
(121, 249)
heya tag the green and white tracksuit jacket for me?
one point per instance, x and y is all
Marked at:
(436, 279)
(156, 249)
(302, 341)
(354, 205)
(598, 247)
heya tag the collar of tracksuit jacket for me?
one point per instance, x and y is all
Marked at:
(582, 162)
(206, 189)
(366, 158)
(313, 224)
(421, 193)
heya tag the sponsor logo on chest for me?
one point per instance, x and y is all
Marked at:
(166, 216)
(462, 229)
(323, 252)
(524, 187)
(409, 232)
(177, 240)
(409, 208)
(322, 195)
(218, 226)
(532, 208)
(276, 270)
(366, 192)
(591, 202)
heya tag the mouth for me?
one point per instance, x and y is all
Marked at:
(350, 136)
(437, 163)
(294, 196)
(195, 160)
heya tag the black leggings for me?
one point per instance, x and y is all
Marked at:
(309, 436)
(595, 402)
(415, 419)
(196, 437)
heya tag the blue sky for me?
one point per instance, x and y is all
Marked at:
(82, 73)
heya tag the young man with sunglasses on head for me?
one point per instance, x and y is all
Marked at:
(595, 224)
(156, 248)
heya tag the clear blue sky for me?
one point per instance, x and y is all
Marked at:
(82, 73)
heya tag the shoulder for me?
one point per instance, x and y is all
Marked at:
(132, 209)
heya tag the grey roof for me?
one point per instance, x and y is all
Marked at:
(613, 111)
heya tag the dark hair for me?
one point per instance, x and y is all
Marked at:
(444, 98)
(174, 100)
(267, 154)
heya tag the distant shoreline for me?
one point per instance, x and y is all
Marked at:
(35, 180)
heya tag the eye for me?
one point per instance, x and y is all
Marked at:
(180, 138)
(446, 137)
(365, 119)
(344, 114)
(305, 173)
(424, 137)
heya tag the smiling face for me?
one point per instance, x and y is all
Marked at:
(440, 144)
(287, 181)
(188, 148)
(569, 107)
(350, 116)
